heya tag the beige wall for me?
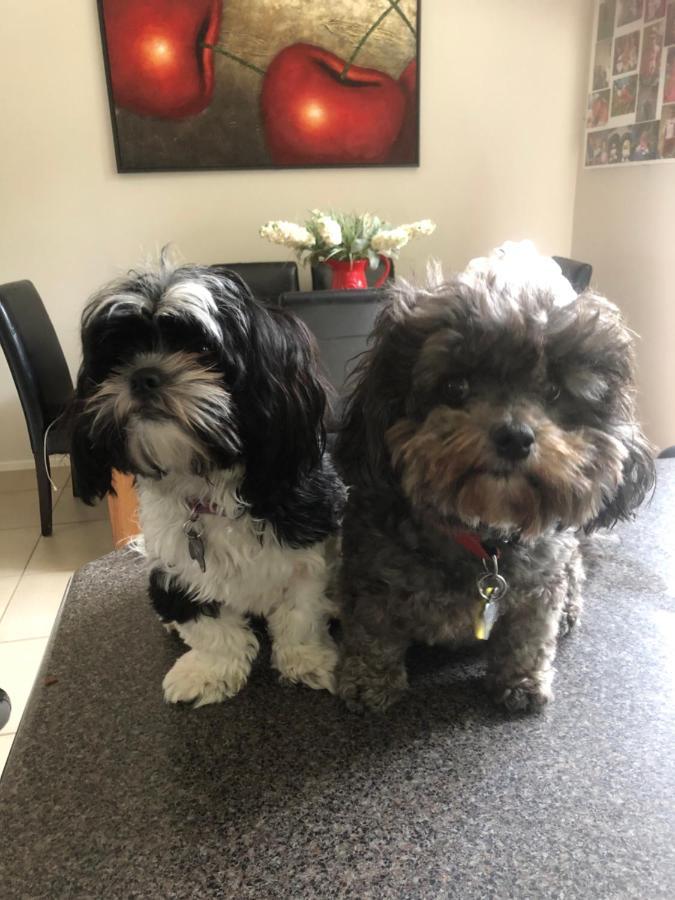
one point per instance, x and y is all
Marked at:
(501, 82)
(624, 225)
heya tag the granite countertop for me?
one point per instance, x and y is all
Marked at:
(281, 793)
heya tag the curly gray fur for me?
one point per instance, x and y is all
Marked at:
(447, 367)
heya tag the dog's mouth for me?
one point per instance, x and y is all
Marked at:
(498, 471)
(505, 498)
(149, 411)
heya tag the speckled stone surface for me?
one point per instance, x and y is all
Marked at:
(280, 793)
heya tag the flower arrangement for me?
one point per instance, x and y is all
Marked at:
(338, 237)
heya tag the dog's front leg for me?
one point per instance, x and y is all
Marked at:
(302, 649)
(522, 649)
(219, 663)
(223, 646)
(371, 672)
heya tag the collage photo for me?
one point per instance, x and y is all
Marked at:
(630, 115)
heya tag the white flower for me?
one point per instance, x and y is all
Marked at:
(424, 227)
(329, 230)
(390, 241)
(287, 233)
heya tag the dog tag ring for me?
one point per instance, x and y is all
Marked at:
(492, 587)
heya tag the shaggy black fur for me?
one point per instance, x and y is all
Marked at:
(173, 603)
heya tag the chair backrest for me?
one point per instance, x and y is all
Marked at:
(267, 280)
(341, 322)
(577, 273)
(34, 356)
(322, 276)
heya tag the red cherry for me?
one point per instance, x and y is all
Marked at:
(314, 116)
(405, 149)
(158, 66)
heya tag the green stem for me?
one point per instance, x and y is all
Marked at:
(395, 5)
(218, 49)
(363, 40)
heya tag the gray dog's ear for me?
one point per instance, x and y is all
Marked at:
(639, 477)
(376, 391)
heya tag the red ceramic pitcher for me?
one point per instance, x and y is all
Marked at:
(351, 276)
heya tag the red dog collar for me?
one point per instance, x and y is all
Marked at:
(473, 544)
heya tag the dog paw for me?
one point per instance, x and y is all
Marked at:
(310, 664)
(361, 689)
(524, 694)
(203, 679)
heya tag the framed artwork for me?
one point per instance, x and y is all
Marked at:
(630, 112)
(256, 84)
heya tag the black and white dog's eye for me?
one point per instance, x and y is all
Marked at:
(456, 391)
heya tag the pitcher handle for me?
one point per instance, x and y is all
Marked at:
(387, 269)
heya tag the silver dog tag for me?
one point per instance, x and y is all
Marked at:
(196, 551)
(193, 531)
(488, 618)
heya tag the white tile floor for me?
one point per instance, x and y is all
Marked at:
(34, 574)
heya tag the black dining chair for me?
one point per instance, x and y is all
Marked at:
(42, 380)
(341, 322)
(267, 280)
(577, 273)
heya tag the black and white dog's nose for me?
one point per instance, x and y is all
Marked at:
(513, 441)
(146, 380)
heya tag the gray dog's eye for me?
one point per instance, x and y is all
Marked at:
(456, 391)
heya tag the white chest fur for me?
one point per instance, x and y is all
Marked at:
(246, 566)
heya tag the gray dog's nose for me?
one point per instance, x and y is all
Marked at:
(146, 380)
(513, 441)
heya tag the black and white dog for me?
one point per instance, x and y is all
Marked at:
(214, 402)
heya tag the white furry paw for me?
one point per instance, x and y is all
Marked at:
(310, 664)
(202, 678)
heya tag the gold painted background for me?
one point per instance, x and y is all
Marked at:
(229, 132)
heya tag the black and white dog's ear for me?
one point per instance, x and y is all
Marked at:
(638, 480)
(93, 472)
(92, 453)
(283, 404)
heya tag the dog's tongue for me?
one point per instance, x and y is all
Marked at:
(517, 268)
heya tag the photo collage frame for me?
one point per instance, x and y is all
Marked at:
(630, 112)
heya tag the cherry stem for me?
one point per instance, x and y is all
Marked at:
(393, 6)
(397, 8)
(242, 62)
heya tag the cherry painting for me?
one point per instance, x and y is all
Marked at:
(219, 84)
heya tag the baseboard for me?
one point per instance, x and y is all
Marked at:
(19, 465)
(16, 465)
